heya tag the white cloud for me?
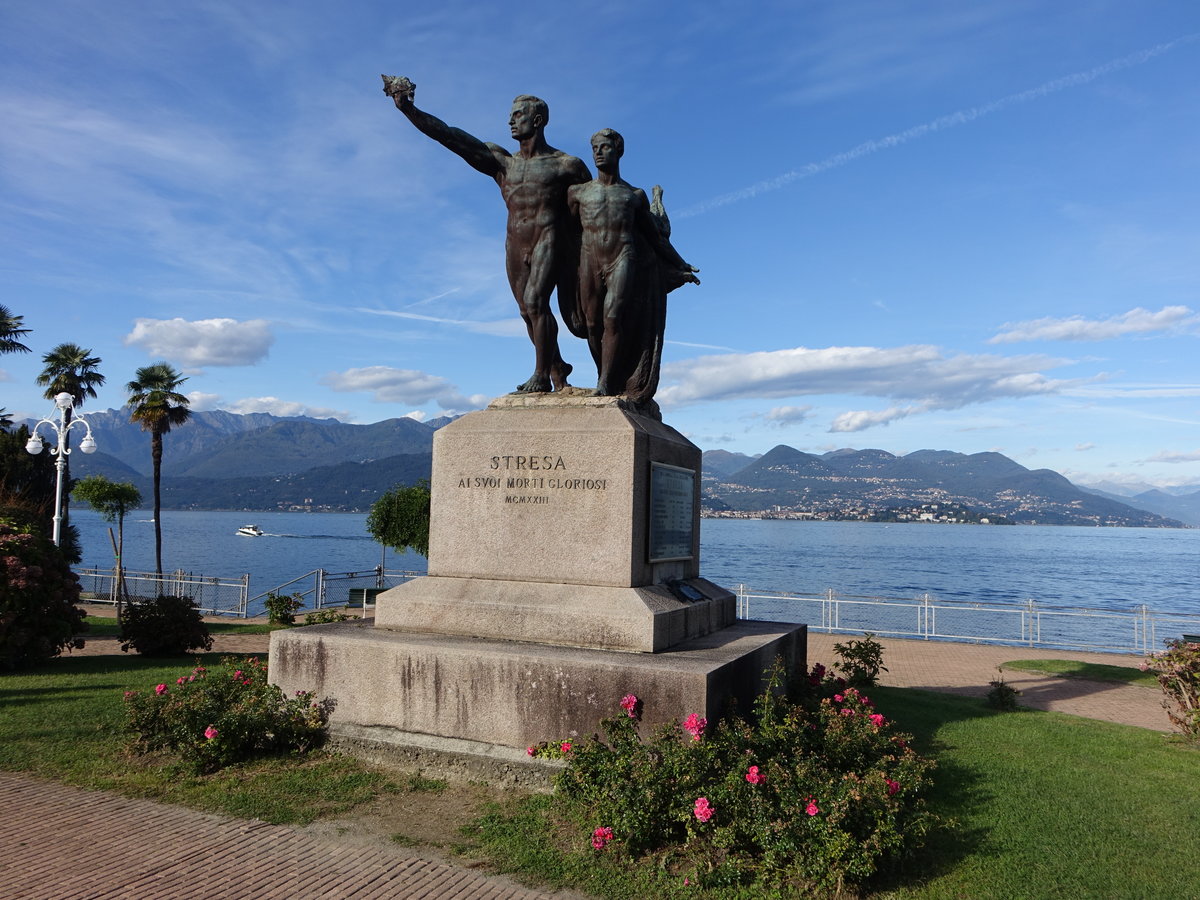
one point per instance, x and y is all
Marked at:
(406, 386)
(1087, 445)
(277, 407)
(1135, 391)
(860, 420)
(205, 342)
(202, 402)
(1170, 456)
(4, 376)
(1077, 328)
(417, 415)
(787, 415)
(915, 372)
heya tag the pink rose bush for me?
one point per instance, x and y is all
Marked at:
(601, 836)
(234, 703)
(806, 791)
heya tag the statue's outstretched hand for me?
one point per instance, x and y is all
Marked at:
(688, 275)
(400, 89)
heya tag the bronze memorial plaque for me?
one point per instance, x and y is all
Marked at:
(672, 494)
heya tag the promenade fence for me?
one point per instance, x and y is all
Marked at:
(1138, 629)
(231, 596)
(214, 596)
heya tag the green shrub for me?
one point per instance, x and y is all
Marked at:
(38, 593)
(1002, 696)
(324, 616)
(816, 793)
(164, 626)
(215, 719)
(281, 608)
(861, 661)
(1178, 672)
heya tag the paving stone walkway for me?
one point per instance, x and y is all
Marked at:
(64, 843)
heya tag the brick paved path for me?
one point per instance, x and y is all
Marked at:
(63, 843)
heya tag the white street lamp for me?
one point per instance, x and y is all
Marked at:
(64, 402)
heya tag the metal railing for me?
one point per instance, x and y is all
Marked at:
(1029, 623)
(318, 588)
(214, 596)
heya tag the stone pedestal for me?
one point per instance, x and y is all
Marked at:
(563, 574)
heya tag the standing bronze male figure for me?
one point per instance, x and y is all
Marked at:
(627, 267)
(539, 252)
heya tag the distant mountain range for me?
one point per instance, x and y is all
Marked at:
(863, 483)
(223, 460)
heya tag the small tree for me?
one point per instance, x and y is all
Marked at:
(400, 518)
(112, 499)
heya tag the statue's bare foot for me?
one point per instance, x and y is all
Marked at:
(537, 384)
(601, 390)
(559, 374)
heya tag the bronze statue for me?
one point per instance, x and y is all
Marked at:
(539, 250)
(627, 267)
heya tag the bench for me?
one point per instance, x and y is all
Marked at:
(363, 596)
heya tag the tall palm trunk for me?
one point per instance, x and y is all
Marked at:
(156, 452)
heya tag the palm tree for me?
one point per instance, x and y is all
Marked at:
(157, 406)
(70, 369)
(11, 332)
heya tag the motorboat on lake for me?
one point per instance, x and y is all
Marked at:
(250, 531)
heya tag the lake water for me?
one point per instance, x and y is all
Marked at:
(1108, 568)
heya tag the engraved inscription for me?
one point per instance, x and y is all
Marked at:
(529, 473)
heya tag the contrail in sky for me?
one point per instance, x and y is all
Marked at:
(962, 117)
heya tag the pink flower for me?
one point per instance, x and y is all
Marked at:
(531, 751)
(237, 674)
(210, 732)
(838, 698)
(754, 777)
(160, 689)
(180, 680)
(846, 711)
(703, 811)
(566, 747)
(811, 809)
(601, 836)
(128, 694)
(629, 703)
(191, 678)
(892, 786)
(695, 725)
(876, 719)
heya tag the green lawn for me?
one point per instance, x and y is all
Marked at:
(1073, 668)
(1042, 804)
(105, 626)
(65, 722)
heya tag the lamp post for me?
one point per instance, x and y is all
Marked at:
(62, 427)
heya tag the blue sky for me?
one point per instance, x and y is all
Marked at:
(953, 225)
